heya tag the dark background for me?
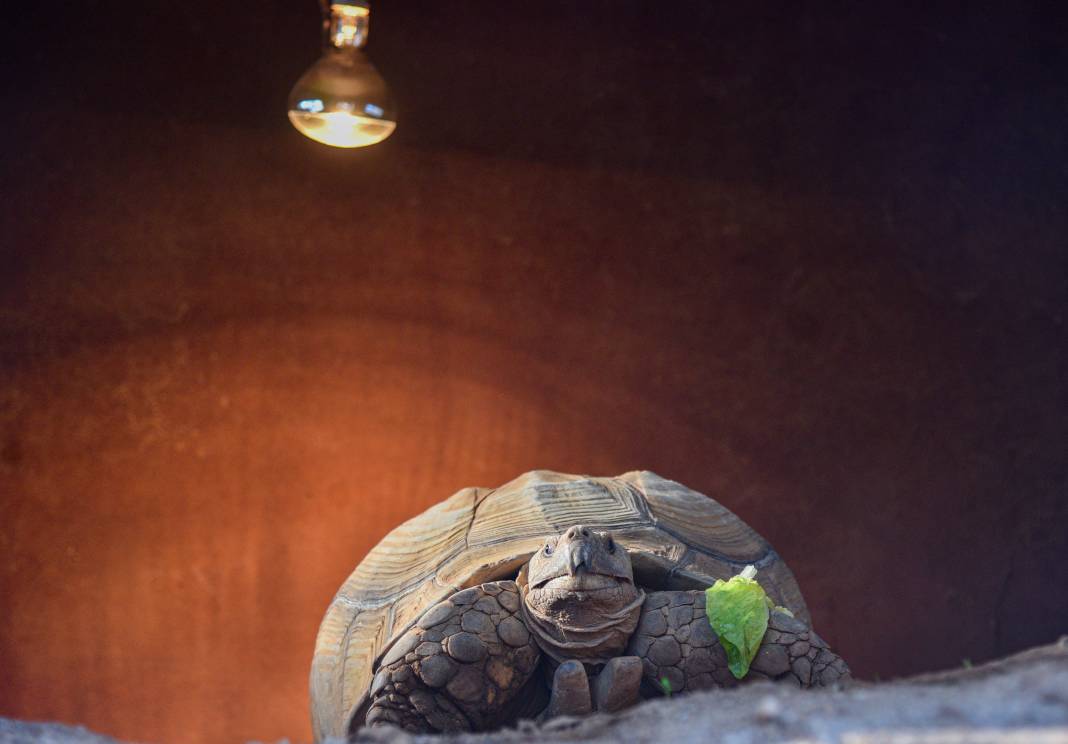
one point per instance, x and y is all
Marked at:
(808, 260)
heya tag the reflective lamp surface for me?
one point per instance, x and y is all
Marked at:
(341, 100)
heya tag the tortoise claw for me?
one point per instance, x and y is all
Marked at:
(570, 695)
(617, 686)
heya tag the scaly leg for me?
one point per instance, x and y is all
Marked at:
(575, 694)
(618, 685)
(680, 651)
(460, 668)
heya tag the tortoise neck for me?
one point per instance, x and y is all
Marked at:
(591, 644)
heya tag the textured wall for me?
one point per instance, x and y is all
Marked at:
(810, 263)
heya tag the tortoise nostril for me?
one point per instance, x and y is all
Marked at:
(576, 532)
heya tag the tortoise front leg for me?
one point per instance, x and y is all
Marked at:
(575, 694)
(680, 651)
(618, 685)
(570, 694)
(792, 651)
(460, 668)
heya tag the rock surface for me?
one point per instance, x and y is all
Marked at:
(1023, 698)
(1019, 700)
(23, 732)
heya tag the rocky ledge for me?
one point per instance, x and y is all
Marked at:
(1019, 700)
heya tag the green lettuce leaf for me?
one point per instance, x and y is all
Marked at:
(738, 611)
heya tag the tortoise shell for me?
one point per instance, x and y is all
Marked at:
(677, 539)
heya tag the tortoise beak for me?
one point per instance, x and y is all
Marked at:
(578, 557)
(580, 554)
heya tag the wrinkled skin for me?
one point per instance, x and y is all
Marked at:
(582, 607)
(579, 579)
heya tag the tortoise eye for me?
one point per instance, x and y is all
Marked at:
(548, 549)
(611, 545)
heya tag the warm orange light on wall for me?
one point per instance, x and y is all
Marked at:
(341, 100)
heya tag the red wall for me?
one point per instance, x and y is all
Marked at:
(831, 295)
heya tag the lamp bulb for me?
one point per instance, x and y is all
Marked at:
(341, 100)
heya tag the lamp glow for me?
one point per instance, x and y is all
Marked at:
(341, 100)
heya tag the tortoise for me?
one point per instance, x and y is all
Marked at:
(596, 582)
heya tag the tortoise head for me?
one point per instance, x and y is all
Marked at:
(580, 576)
